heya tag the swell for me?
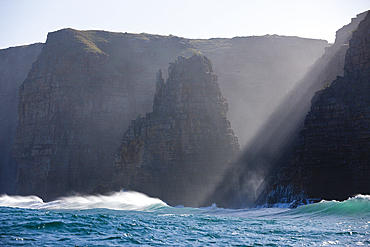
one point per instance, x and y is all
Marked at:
(357, 206)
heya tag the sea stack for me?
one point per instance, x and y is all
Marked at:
(179, 151)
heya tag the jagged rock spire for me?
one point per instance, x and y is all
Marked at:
(179, 151)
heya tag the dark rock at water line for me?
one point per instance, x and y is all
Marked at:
(179, 151)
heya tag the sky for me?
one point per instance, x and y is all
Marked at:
(28, 21)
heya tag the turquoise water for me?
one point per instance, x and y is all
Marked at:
(129, 219)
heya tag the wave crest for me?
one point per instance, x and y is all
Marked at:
(357, 206)
(124, 200)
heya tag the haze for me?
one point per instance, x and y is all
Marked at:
(25, 22)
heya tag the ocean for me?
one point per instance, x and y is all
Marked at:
(134, 219)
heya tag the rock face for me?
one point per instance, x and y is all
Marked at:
(274, 142)
(15, 63)
(86, 86)
(76, 103)
(179, 151)
(331, 160)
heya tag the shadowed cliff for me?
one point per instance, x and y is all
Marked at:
(76, 103)
(331, 159)
(15, 63)
(271, 147)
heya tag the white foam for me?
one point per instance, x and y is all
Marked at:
(20, 201)
(361, 197)
(125, 200)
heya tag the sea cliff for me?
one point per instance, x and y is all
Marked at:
(15, 63)
(331, 158)
(86, 86)
(76, 103)
(249, 179)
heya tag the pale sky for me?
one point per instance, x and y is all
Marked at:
(28, 21)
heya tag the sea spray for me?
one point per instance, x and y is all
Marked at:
(124, 200)
(358, 206)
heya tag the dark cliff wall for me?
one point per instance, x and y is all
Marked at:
(331, 160)
(76, 103)
(15, 63)
(272, 145)
(179, 151)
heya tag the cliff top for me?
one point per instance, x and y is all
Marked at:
(91, 40)
(347, 28)
(20, 46)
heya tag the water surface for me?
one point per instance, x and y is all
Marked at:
(130, 218)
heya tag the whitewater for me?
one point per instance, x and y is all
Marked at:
(132, 218)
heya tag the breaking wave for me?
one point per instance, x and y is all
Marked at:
(125, 200)
(358, 206)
